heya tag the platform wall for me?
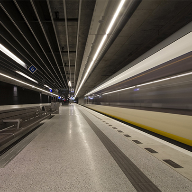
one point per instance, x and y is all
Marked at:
(15, 95)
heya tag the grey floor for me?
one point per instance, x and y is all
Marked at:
(67, 155)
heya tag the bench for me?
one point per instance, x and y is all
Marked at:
(15, 123)
(13, 120)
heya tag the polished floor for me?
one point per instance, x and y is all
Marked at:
(81, 150)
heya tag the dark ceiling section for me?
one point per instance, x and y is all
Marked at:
(152, 22)
(52, 35)
(21, 20)
(45, 34)
(72, 12)
(56, 9)
(72, 20)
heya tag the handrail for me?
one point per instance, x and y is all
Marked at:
(6, 128)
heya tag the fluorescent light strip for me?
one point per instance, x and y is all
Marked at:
(26, 76)
(165, 79)
(47, 86)
(101, 43)
(92, 62)
(115, 16)
(99, 48)
(69, 83)
(12, 56)
(26, 84)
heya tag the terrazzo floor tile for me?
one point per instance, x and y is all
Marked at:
(165, 150)
(166, 178)
(66, 156)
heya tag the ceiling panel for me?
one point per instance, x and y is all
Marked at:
(52, 35)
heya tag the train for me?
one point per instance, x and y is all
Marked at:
(153, 92)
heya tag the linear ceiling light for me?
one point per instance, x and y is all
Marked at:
(69, 83)
(27, 84)
(12, 56)
(26, 76)
(101, 43)
(115, 16)
(160, 80)
(47, 86)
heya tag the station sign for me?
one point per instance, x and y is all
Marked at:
(32, 69)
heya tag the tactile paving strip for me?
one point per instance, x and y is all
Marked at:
(151, 150)
(172, 163)
(126, 135)
(136, 141)
(138, 179)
